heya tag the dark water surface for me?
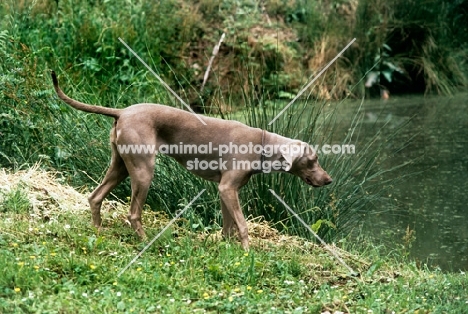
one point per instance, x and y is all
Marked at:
(433, 201)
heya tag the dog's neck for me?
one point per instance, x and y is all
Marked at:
(266, 139)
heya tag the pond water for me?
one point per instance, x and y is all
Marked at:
(432, 202)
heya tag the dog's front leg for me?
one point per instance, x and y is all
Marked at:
(229, 227)
(229, 196)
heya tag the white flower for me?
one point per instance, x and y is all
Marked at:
(119, 294)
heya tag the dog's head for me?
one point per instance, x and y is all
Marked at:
(302, 160)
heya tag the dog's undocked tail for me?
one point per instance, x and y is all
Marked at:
(111, 112)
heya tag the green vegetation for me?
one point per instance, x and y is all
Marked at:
(271, 50)
(99, 70)
(53, 261)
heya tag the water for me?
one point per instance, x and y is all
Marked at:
(432, 204)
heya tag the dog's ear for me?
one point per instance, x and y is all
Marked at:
(291, 152)
(288, 161)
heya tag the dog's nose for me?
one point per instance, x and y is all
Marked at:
(328, 180)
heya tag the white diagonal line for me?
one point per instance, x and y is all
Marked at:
(210, 63)
(160, 233)
(315, 235)
(311, 82)
(161, 81)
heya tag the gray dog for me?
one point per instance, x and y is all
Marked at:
(223, 151)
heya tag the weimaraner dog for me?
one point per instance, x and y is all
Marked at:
(223, 151)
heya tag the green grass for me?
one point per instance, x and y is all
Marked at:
(53, 261)
(80, 43)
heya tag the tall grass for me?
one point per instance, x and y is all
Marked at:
(80, 42)
(362, 180)
(77, 144)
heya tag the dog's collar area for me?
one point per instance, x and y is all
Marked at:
(262, 156)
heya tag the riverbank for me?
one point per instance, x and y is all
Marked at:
(54, 261)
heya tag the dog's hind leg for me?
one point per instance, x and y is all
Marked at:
(141, 170)
(116, 173)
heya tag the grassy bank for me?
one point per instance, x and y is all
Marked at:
(54, 259)
(54, 262)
